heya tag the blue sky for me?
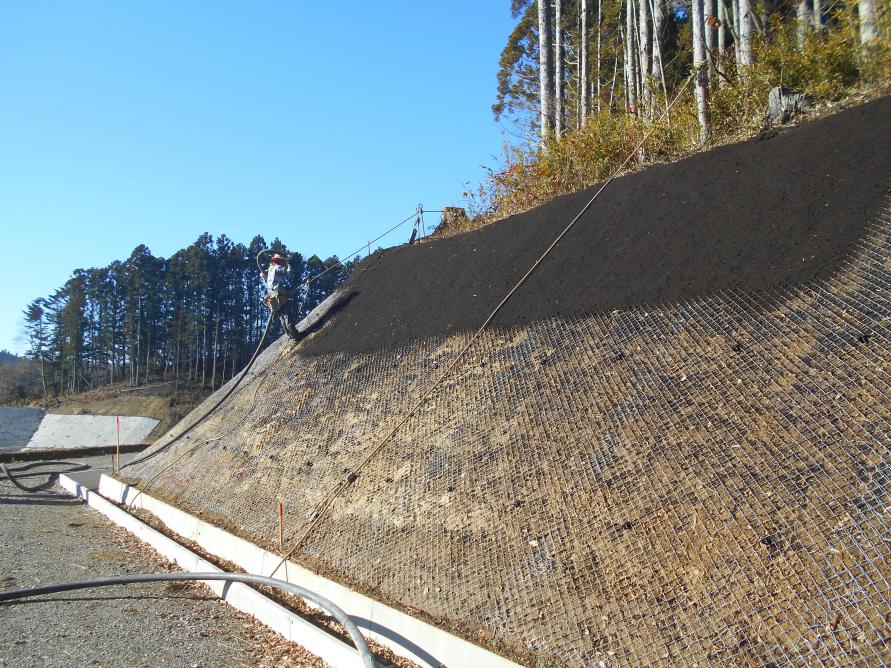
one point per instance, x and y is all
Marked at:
(124, 123)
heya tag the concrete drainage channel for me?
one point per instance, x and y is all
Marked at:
(404, 635)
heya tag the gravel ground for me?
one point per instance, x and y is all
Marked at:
(51, 537)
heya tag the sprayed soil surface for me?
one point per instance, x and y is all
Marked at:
(762, 214)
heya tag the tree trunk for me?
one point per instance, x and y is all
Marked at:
(545, 69)
(558, 69)
(138, 342)
(734, 21)
(644, 52)
(722, 29)
(630, 60)
(43, 374)
(803, 14)
(818, 15)
(709, 19)
(583, 62)
(204, 351)
(612, 87)
(658, 71)
(746, 55)
(701, 72)
(148, 353)
(216, 349)
(599, 33)
(868, 31)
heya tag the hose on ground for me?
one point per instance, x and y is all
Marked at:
(241, 376)
(327, 605)
(14, 475)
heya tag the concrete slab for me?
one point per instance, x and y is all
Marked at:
(85, 431)
(17, 426)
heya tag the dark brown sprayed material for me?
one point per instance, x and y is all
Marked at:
(762, 214)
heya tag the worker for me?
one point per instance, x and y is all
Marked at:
(275, 277)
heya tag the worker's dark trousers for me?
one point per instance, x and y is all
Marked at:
(289, 320)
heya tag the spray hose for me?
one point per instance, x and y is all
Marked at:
(13, 475)
(329, 607)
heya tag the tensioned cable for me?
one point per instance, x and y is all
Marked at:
(353, 475)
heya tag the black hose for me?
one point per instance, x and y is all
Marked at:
(235, 385)
(321, 601)
(8, 473)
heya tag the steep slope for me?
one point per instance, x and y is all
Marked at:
(762, 214)
(672, 449)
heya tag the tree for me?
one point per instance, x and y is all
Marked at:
(745, 55)
(700, 67)
(803, 14)
(545, 69)
(631, 78)
(584, 95)
(518, 68)
(644, 50)
(196, 317)
(38, 338)
(559, 87)
(868, 32)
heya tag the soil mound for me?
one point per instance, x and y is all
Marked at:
(762, 214)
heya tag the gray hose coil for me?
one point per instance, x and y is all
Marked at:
(321, 601)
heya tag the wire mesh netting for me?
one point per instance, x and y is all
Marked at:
(702, 483)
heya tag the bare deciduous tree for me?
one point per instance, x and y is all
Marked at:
(700, 67)
(558, 69)
(868, 31)
(545, 69)
(644, 47)
(803, 14)
(584, 94)
(746, 56)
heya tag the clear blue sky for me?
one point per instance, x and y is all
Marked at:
(151, 122)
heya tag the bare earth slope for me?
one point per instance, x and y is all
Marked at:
(672, 450)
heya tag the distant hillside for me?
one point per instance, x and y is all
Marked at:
(19, 378)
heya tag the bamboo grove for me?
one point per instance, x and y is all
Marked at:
(195, 317)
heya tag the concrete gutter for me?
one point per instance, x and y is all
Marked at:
(240, 596)
(423, 643)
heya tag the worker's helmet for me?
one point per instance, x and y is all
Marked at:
(278, 259)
